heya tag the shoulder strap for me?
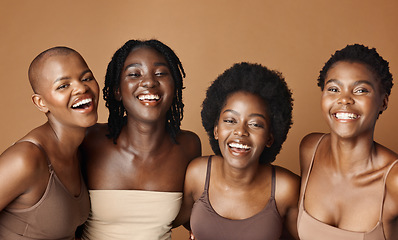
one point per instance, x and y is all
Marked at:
(208, 174)
(39, 146)
(273, 182)
(384, 190)
(310, 167)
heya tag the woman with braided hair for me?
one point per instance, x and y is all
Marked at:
(135, 164)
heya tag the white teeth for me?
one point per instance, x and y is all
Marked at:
(238, 145)
(148, 97)
(82, 102)
(345, 116)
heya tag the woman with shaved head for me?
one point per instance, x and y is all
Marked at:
(42, 193)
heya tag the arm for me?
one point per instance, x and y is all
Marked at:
(287, 196)
(193, 188)
(390, 215)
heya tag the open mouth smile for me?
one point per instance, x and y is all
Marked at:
(238, 147)
(83, 103)
(148, 97)
(346, 116)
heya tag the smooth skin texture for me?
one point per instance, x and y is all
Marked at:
(145, 157)
(346, 183)
(240, 186)
(61, 80)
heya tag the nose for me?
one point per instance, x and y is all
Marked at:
(149, 81)
(346, 99)
(80, 87)
(241, 130)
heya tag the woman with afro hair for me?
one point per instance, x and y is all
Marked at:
(135, 164)
(349, 181)
(238, 193)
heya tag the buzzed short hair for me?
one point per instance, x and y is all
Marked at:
(33, 71)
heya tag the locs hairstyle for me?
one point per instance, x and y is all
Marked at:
(360, 54)
(259, 80)
(117, 113)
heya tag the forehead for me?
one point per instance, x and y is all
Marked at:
(143, 54)
(351, 70)
(245, 102)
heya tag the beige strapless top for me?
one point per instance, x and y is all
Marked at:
(131, 214)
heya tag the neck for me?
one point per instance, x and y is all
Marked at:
(240, 177)
(143, 137)
(67, 139)
(352, 156)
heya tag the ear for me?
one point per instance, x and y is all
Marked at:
(270, 140)
(118, 95)
(38, 101)
(215, 132)
(384, 104)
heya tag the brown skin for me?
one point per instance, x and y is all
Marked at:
(145, 157)
(240, 186)
(62, 79)
(345, 187)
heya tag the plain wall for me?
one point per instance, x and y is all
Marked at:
(293, 37)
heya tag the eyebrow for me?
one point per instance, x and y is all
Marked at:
(338, 82)
(250, 115)
(139, 65)
(67, 77)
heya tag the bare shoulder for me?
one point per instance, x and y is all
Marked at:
(190, 142)
(307, 148)
(21, 165)
(196, 175)
(287, 184)
(392, 182)
(24, 157)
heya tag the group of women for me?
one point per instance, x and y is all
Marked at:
(139, 175)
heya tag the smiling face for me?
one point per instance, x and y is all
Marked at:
(352, 99)
(243, 130)
(66, 90)
(146, 85)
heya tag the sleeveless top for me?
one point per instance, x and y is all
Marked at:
(207, 224)
(55, 216)
(310, 228)
(131, 214)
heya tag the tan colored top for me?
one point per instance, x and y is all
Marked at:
(131, 214)
(310, 228)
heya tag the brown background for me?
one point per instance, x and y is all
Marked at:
(294, 37)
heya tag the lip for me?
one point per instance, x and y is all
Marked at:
(239, 148)
(346, 116)
(87, 100)
(149, 98)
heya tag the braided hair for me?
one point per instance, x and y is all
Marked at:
(117, 113)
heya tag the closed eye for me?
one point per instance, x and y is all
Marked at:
(229, 121)
(256, 125)
(133, 74)
(62, 86)
(159, 74)
(87, 79)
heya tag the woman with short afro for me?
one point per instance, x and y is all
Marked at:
(238, 193)
(349, 181)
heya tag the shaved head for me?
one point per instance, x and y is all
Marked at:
(38, 64)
